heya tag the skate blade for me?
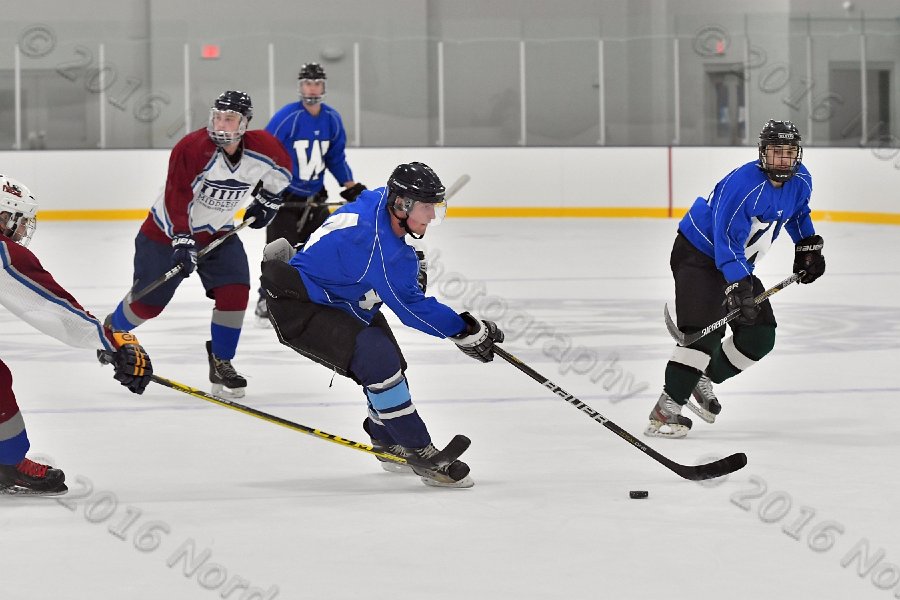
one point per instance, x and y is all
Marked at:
(223, 392)
(399, 468)
(442, 482)
(655, 429)
(15, 490)
(701, 412)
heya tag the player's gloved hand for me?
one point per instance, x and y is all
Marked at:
(808, 257)
(349, 194)
(422, 276)
(478, 338)
(131, 362)
(740, 295)
(184, 253)
(263, 208)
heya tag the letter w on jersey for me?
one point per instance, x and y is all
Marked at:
(310, 164)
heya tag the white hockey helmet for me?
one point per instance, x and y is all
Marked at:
(18, 211)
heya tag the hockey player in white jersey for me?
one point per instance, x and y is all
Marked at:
(325, 304)
(30, 293)
(212, 173)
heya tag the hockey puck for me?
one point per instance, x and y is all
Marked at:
(638, 494)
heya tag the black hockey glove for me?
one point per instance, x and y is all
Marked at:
(740, 295)
(184, 253)
(353, 191)
(808, 257)
(263, 209)
(422, 276)
(478, 338)
(131, 362)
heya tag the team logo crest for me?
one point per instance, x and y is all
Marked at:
(11, 188)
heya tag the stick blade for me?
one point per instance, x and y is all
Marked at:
(717, 468)
(676, 333)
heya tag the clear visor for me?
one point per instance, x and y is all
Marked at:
(18, 227)
(226, 126)
(428, 213)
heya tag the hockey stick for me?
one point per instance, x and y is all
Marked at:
(458, 444)
(688, 339)
(711, 470)
(177, 268)
(457, 185)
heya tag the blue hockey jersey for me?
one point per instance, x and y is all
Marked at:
(355, 262)
(740, 220)
(314, 143)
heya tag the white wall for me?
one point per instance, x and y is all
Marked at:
(844, 179)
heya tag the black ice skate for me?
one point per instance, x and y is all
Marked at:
(29, 478)
(223, 376)
(707, 405)
(429, 465)
(396, 449)
(666, 419)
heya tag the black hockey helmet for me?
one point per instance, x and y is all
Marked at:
(230, 101)
(780, 133)
(415, 182)
(311, 71)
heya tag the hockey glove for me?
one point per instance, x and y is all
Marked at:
(131, 362)
(422, 276)
(808, 257)
(263, 208)
(184, 253)
(350, 193)
(740, 295)
(478, 338)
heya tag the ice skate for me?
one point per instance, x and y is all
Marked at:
(706, 405)
(666, 419)
(224, 378)
(452, 475)
(29, 478)
(262, 313)
(396, 449)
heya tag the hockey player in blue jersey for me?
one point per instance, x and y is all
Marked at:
(719, 242)
(313, 135)
(325, 304)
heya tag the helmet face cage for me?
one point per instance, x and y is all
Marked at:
(312, 72)
(18, 210)
(779, 133)
(234, 102)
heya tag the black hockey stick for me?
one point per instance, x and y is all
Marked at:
(177, 268)
(451, 451)
(688, 339)
(711, 470)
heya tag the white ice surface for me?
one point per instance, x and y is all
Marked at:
(549, 516)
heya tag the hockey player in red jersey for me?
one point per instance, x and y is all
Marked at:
(212, 173)
(30, 293)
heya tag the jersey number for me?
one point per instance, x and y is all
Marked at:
(310, 165)
(370, 300)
